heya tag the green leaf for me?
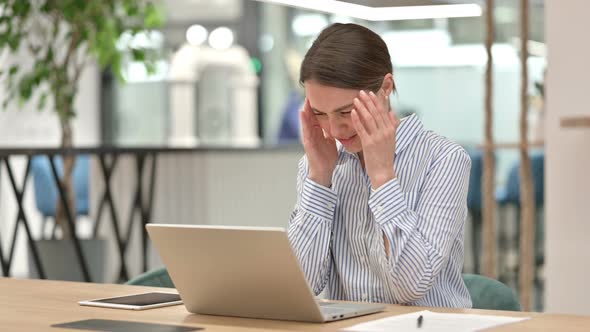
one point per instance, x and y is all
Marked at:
(41, 72)
(117, 68)
(21, 8)
(69, 13)
(45, 7)
(150, 67)
(138, 54)
(153, 17)
(80, 5)
(131, 7)
(13, 70)
(84, 35)
(49, 55)
(5, 19)
(25, 87)
(14, 43)
(42, 102)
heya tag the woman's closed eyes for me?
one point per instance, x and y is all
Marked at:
(341, 113)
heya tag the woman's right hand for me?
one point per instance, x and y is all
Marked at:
(321, 151)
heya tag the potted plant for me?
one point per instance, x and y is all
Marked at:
(61, 38)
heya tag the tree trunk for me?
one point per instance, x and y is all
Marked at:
(527, 200)
(489, 203)
(69, 161)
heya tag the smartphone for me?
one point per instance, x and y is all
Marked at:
(139, 301)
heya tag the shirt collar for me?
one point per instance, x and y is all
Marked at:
(408, 128)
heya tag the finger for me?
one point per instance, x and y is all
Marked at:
(381, 113)
(305, 125)
(365, 116)
(306, 114)
(309, 124)
(373, 107)
(313, 138)
(313, 120)
(358, 126)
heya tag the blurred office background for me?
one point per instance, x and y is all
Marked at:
(228, 78)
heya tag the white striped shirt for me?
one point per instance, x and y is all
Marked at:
(337, 233)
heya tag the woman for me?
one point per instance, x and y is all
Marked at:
(381, 205)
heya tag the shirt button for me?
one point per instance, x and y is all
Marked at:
(330, 205)
(379, 208)
(364, 297)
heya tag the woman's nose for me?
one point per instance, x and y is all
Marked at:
(337, 127)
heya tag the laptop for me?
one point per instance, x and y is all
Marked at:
(243, 272)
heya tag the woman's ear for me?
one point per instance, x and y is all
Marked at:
(388, 85)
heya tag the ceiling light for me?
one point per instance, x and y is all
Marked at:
(383, 13)
(221, 38)
(305, 25)
(196, 34)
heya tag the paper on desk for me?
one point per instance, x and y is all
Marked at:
(433, 322)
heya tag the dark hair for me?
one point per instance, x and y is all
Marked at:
(347, 56)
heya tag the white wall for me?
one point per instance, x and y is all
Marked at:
(26, 126)
(567, 158)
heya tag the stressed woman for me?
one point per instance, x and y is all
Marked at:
(381, 205)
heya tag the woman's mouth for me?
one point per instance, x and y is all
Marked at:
(347, 141)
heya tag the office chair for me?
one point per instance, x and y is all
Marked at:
(487, 293)
(46, 192)
(155, 278)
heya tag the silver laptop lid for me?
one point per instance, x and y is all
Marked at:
(235, 271)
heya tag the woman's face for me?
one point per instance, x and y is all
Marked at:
(332, 107)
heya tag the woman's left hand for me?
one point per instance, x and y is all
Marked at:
(376, 127)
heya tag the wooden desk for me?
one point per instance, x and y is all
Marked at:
(35, 305)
